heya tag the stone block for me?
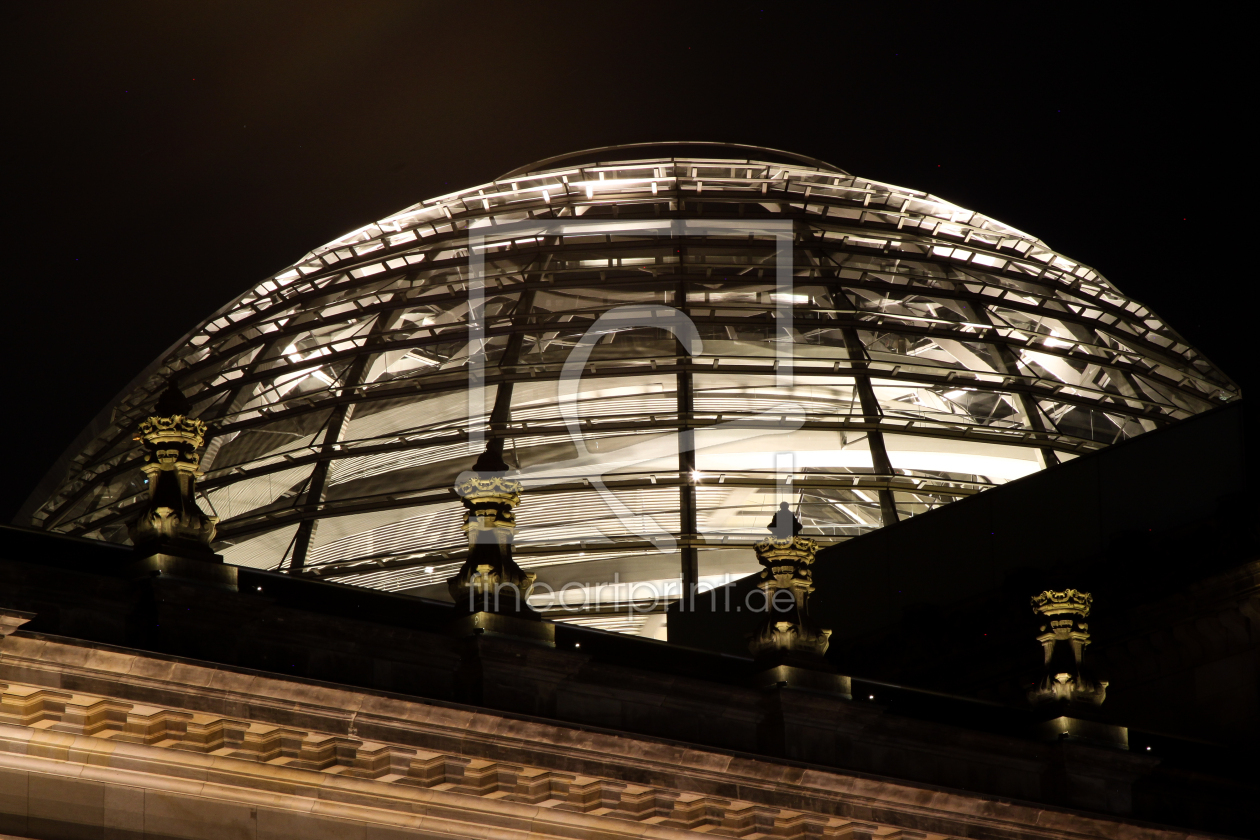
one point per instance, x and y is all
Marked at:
(276, 824)
(124, 813)
(168, 815)
(62, 808)
(14, 801)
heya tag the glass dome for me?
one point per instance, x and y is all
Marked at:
(670, 339)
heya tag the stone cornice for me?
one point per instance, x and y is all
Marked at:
(242, 732)
(444, 812)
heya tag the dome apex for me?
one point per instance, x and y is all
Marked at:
(688, 149)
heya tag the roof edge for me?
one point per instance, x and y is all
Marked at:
(549, 161)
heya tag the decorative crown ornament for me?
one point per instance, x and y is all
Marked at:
(172, 519)
(1069, 601)
(490, 499)
(1064, 636)
(787, 631)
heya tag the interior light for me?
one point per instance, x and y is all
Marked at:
(428, 570)
(1055, 342)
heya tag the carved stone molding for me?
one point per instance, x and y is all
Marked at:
(11, 620)
(142, 721)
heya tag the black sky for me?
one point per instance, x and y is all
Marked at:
(163, 157)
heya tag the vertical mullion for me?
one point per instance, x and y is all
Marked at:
(338, 420)
(686, 452)
(871, 414)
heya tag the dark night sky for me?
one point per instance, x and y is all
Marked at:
(162, 157)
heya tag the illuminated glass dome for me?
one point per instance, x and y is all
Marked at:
(863, 351)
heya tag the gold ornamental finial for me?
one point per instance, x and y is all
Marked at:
(1064, 636)
(490, 580)
(172, 520)
(1061, 603)
(787, 581)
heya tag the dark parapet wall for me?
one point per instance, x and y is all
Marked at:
(1161, 529)
(1092, 507)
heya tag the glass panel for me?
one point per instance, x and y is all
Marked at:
(260, 551)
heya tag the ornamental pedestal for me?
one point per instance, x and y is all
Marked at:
(490, 590)
(172, 534)
(787, 646)
(1064, 635)
(1068, 694)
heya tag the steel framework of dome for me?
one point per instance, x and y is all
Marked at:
(863, 351)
